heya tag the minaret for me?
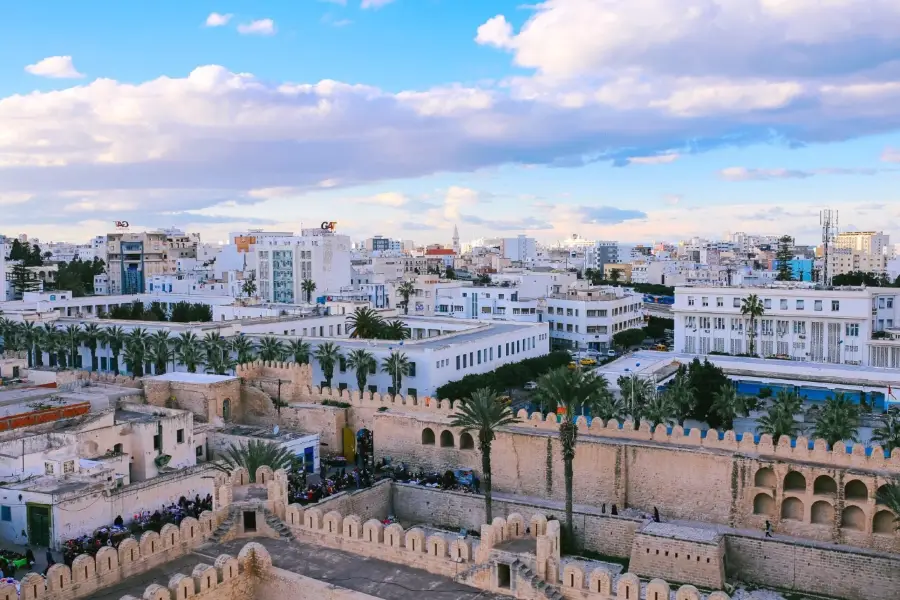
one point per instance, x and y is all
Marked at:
(455, 239)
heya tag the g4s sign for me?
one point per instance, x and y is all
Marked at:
(329, 225)
(121, 224)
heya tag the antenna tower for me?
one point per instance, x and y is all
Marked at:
(828, 219)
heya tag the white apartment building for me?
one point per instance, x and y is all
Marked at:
(487, 302)
(599, 254)
(799, 323)
(588, 319)
(519, 249)
(866, 242)
(5, 288)
(282, 264)
(848, 260)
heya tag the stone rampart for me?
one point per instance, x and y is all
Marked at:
(67, 377)
(375, 502)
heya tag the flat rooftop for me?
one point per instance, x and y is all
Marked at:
(262, 433)
(201, 378)
(26, 400)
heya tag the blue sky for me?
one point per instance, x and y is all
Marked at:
(605, 118)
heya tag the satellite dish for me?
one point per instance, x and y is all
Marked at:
(276, 429)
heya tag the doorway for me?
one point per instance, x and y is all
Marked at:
(503, 576)
(249, 521)
(38, 516)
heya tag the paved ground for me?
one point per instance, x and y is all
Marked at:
(161, 574)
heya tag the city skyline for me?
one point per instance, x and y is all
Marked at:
(407, 119)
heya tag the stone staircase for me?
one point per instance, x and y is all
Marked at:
(284, 532)
(477, 568)
(225, 526)
(550, 591)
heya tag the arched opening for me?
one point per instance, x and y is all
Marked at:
(764, 504)
(226, 409)
(822, 513)
(856, 490)
(794, 482)
(765, 477)
(792, 509)
(447, 439)
(884, 522)
(428, 437)
(853, 518)
(465, 441)
(824, 485)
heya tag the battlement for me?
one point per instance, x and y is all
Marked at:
(793, 449)
(478, 562)
(68, 377)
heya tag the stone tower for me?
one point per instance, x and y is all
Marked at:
(455, 239)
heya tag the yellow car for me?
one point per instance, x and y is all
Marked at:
(572, 365)
(588, 362)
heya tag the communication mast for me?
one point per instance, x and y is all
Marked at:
(828, 219)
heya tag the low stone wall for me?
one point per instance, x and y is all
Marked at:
(605, 534)
(679, 554)
(278, 583)
(851, 575)
(375, 502)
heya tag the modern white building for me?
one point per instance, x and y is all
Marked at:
(600, 254)
(282, 264)
(798, 323)
(519, 249)
(587, 319)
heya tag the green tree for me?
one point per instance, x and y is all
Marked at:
(660, 409)
(405, 290)
(214, 346)
(188, 351)
(889, 495)
(91, 336)
(249, 286)
(136, 350)
(364, 323)
(271, 349)
(783, 257)
(30, 337)
(22, 280)
(572, 392)
(615, 275)
(705, 379)
(628, 338)
(394, 330)
(219, 363)
(636, 393)
(838, 420)
(72, 334)
(728, 405)
(680, 394)
(253, 455)
(484, 413)
(308, 286)
(397, 366)
(752, 307)
(362, 362)
(450, 273)
(244, 348)
(888, 432)
(779, 419)
(300, 350)
(159, 350)
(328, 354)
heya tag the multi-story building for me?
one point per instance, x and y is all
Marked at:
(798, 323)
(624, 270)
(283, 264)
(380, 243)
(589, 318)
(132, 257)
(866, 242)
(849, 260)
(600, 254)
(518, 249)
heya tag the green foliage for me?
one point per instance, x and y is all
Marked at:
(308, 286)
(838, 420)
(405, 290)
(336, 403)
(727, 405)
(888, 433)
(764, 393)
(706, 380)
(862, 278)
(271, 349)
(29, 255)
(396, 365)
(394, 330)
(362, 362)
(185, 312)
(889, 495)
(181, 312)
(636, 393)
(364, 323)
(249, 286)
(22, 280)
(188, 351)
(78, 275)
(243, 347)
(656, 327)
(328, 354)
(752, 307)
(654, 289)
(779, 420)
(255, 454)
(300, 350)
(506, 377)
(628, 338)
(783, 256)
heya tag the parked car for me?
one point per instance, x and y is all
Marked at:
(531, 385)
(612, 353)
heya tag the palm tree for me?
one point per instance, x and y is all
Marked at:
(396, 365)
(91, 336)
(661, 409)
(114, 338)
(888, 433)
(254, 455)
(219, 364)
(609, 406)
(159, 350)
(752, 307)
(394, 330)
(136, 348)
(244, 348)
(573, 392)
(485, 413)
(405, 290)
(328, 354)
(681, 395)
(779, 420)
(636, 393)
(889, 495)
(72, 335)
(214, 345)
(727, 404)
(615, 275)
(308, 286)
(271, 349)
(188, 351)
(30, 337)
(838, 420)
(48, 337)
(300, 350)
(362, 362)
(364, 323)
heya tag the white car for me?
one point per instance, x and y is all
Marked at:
(531, 385)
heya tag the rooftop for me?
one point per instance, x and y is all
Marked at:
(261, 432)
(198, 378)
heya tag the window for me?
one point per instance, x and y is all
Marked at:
(568, 312)
(156, 442)
(412, 392)
(736, 302)
(465, 361)
(704, 301)
(881, 302)
(835, 305)
(179, 436)
(342, 364)
(817, 305)
(48, 468)
(852, 330)
(890, 303)
(767, 303)
(199, 451)
(479, 357)
(799, 304)
(720, 302)
(690, 300)
(457, 362)
(412, 369)
(783, 304)
(68, 467)
(5, 513)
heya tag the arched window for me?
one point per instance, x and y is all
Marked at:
(822, 513)
(884, 522)
(428, 437)
(765, 477)
(447, 439)
(465, 441)
(792, 509)
(764, 504)
(853, 518)
(226, 409)
(794, 482)
(856, 490)
(824, 485)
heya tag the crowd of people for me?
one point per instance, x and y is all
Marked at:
(328, 485)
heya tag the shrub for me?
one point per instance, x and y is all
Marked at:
(506, 377)
(764, 393)
(336, 403)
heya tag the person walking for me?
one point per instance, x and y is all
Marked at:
(655, 515)
(768, 529)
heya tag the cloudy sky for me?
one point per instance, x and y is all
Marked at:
(634, 120)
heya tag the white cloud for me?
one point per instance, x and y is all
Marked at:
(672, 199)
(657, 159)
(387, 199)
(55, 67)
(374, 3)
(258, 27)
(745, 174)
(218, 19)
(891, 155)
(496, 31)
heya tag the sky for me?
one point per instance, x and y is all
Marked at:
(628, 120)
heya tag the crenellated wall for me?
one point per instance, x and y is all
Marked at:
(65, 377)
